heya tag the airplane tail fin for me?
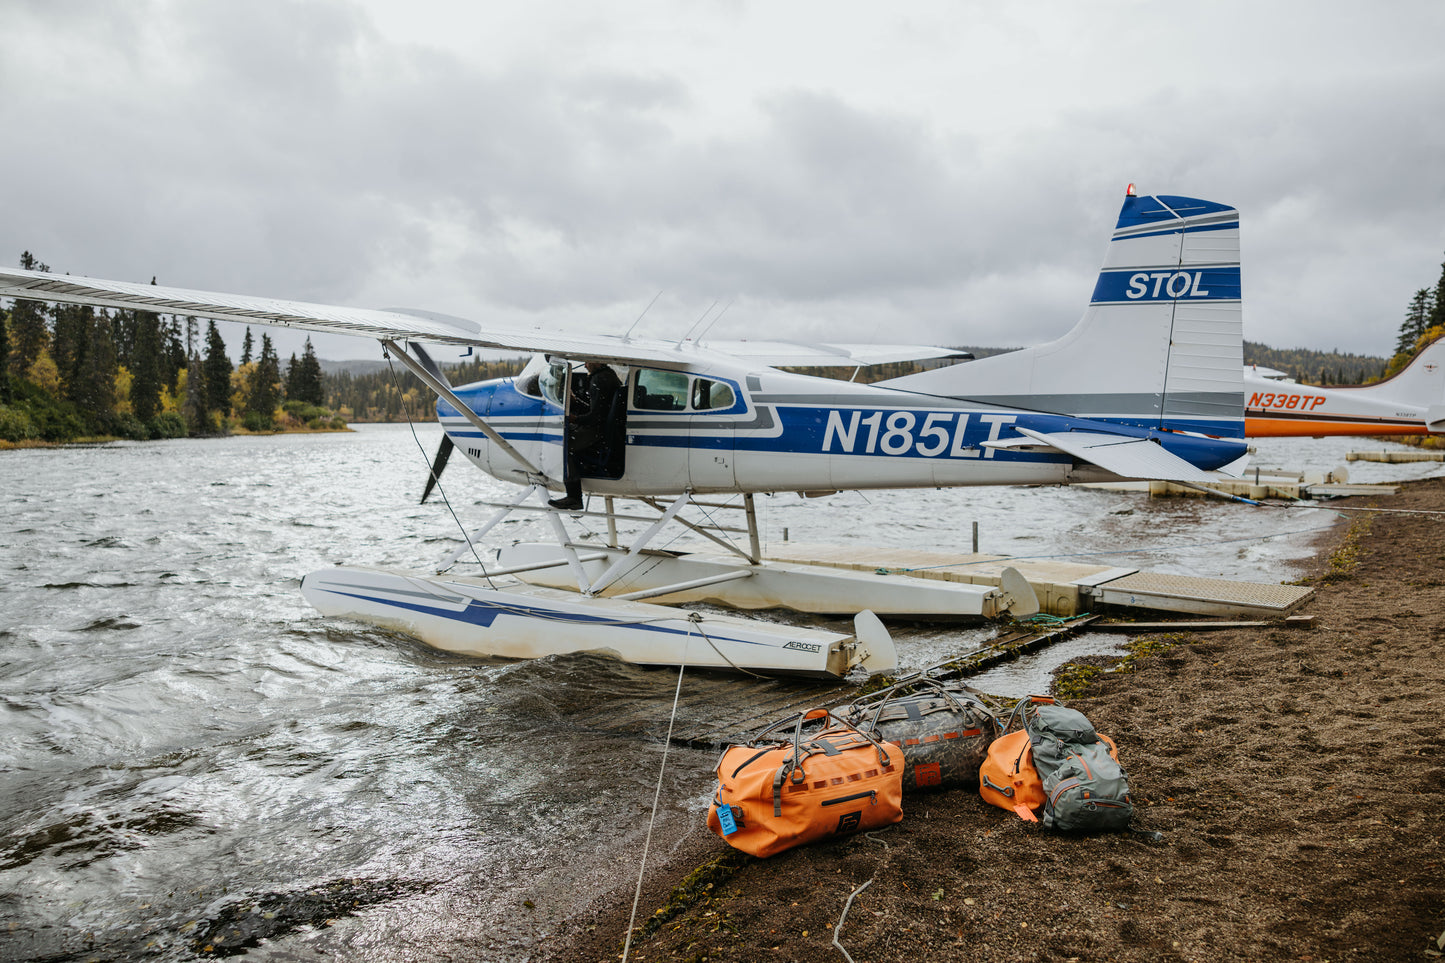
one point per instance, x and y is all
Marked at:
(1420, 383)
(1160, 344)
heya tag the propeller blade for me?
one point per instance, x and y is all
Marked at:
(438, 465)
(431, 366)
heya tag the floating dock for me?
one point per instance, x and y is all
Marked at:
(1259, 485)
(1396, 457)
(1066, 588)
(717, 711)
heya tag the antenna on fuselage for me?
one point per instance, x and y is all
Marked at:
(628, 332)
(715, 320)
(688, 333)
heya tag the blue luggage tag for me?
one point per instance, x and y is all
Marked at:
(725, 820)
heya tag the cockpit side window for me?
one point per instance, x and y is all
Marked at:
(708, 395)
(554, 382)
(660, 390)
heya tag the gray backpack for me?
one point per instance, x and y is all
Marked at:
(1085, 787)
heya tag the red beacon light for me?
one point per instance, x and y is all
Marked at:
(1130, 191)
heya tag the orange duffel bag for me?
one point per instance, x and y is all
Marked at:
(773, 795)
(1008, 778)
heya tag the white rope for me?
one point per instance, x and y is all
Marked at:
(656, 795)
(838, 930)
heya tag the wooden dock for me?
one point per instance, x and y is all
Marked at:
(1067, 588)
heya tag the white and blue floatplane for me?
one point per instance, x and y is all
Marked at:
(1147, 385)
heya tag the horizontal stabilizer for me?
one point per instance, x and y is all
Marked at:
(1125, 457)
(1236, 468)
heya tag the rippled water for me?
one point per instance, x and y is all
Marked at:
(191, 757)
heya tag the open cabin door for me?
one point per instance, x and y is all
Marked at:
(599, 438)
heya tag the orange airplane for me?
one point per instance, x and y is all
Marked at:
(1409, 402)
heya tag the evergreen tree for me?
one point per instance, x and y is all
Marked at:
(67, 342)
(29, 326)
(1417, 320)
(173, 352)
(246, 347)
(293, 368)
(122, 334)
(198, 419)
(5, 394)
(92, 379)
(309, 383)
(1437, 309)
(265, 392)
(218, 373)
(146, 373)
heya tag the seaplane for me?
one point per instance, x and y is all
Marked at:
(1409, 402)
(1147, 385)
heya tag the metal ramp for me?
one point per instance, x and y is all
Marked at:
(1201, 596)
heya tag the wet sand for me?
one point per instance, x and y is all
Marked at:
(1295, 775)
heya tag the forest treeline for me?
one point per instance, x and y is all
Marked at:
(398, 395)
(73, 372)
(69, 372)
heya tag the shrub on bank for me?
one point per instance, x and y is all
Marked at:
(34, 415)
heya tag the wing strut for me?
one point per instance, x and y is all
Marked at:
(416, 368)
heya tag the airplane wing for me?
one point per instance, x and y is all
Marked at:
(403, 324)
(1125, 457)
(330, 319)
(782, 354)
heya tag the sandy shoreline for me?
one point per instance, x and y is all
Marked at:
(1295, 775)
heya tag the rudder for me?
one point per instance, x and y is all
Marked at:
(1161, 344)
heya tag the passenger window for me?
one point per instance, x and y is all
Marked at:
(660, 390)
(708, 395)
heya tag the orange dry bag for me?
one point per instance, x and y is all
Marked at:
(1008, 778)
(774, 795)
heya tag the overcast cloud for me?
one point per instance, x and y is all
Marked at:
(938, 172)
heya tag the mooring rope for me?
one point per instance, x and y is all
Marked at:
(697, 619)
(656, 795)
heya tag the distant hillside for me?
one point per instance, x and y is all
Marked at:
(356, 367)
(353, 366)
(1317, 367)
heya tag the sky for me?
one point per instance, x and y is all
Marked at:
(932, 172)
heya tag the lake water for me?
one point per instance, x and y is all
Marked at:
(191, 757)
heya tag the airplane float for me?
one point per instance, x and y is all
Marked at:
(1146, 386)
(1409, 402)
